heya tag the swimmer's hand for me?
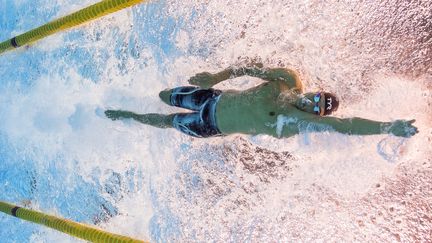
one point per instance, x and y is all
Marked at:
(203, 80)
(118, 114)
(403, 128)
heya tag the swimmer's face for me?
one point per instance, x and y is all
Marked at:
(319, 103)
(313, 103)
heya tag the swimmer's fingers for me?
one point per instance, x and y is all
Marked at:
(403, 128)
(112, 114)
(412, 129)
(254, 64)
(203, 79)
(109, 114)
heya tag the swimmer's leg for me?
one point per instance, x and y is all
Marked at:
(152, 119)
(184, 96)
(188, 123)
(188, 97)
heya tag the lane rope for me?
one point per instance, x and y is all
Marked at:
(82, 16)
(66, 226)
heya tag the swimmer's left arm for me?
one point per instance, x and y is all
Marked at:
(287, 76)
(207, 80)
(360, 126)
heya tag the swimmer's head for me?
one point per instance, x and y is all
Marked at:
(321, 103)
(331, 103)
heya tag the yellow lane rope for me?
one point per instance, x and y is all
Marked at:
(82, 16)
(78, 230)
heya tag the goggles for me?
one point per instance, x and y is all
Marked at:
(317, 109)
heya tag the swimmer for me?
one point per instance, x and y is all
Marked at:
(277, 108)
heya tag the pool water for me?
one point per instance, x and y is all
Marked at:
(60, 155)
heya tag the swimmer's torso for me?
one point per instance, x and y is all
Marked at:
(256, 110)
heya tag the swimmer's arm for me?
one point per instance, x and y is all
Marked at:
(287, 76)
(360, 126)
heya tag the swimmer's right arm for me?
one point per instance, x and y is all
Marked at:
(360, 126)
(289, 77)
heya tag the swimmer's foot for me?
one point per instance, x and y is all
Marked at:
(118, 114)
(165, 96)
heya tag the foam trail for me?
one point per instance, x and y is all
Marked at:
(388, 148)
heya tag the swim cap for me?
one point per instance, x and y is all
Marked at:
(331, 103)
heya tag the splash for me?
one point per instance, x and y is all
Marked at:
(58, 151)
(389, 148)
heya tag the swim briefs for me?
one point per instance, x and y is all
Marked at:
(202, 122)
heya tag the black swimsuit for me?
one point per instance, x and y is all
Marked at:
(201, 123)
